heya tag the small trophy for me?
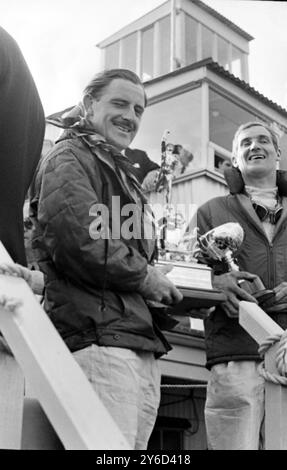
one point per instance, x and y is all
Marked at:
(194, 280)
(171, 223)
(218, 248)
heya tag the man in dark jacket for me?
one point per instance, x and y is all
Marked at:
(142, 164)
(97, 258)
(235, 397)
(22, 126)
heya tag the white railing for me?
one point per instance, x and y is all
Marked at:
(272, 339)
(53, 376)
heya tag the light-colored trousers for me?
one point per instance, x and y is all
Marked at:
(128, 384)
(234, 409)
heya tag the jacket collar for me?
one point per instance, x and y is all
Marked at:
(283, 216)
(250, 213)
(236, 184)
(110, 156)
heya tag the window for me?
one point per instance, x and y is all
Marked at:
(168, 433)
(222, 52)
(191, 27)
(181, 115)
(147, 54)
(129, 52)
(112, 55)
(164, 45)
(207, 42)
(237, 62)
(221, 163)
(224, 119)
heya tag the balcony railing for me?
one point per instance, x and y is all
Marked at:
(43, 364)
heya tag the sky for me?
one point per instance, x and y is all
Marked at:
(58, 39)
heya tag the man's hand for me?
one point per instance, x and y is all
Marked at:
(14, 269)
(281, 293)
(35, 279)
(157, 287)
(228, 283)
(279, 302)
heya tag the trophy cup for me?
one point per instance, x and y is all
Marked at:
(217, 248)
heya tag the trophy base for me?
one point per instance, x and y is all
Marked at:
(195, 283)
(194, 299)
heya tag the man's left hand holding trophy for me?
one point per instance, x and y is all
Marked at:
(230, 285)
(218, 248)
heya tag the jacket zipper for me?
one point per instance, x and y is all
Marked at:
(271, 274)
(270, 261)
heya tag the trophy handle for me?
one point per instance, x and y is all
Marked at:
(230, 261)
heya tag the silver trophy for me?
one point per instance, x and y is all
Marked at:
(219, 246)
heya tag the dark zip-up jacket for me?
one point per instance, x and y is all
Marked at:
(91, 284)
(225, 339)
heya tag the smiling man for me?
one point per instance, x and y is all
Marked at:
(234, 408)
(97, 286)
(116, 114)
(256, 153)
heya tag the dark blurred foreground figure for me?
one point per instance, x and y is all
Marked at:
(22, 126)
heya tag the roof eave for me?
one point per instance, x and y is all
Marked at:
(216, 68)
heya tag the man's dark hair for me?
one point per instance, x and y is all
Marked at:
(103, 79)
